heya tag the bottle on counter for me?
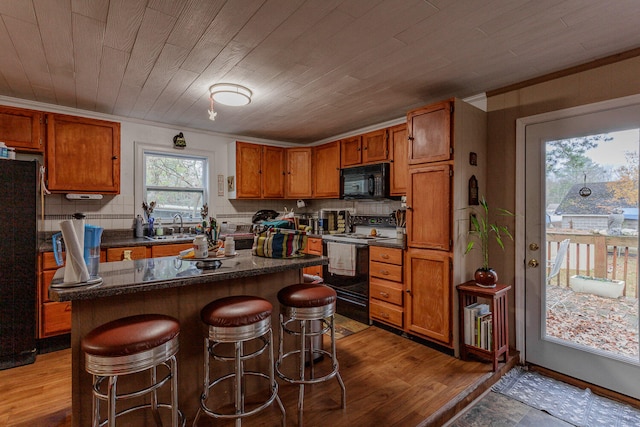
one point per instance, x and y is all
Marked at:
(159, 229)
(200, 246)
(139, 227)
(229, 246)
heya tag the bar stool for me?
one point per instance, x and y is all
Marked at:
(307, 311)
(239, 320)
(127, 346)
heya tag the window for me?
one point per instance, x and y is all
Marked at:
(177, 183)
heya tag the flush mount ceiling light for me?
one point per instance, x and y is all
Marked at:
(230, 94)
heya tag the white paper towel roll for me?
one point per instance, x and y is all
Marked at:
(75, 269)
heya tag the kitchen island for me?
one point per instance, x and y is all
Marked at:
(179, 288)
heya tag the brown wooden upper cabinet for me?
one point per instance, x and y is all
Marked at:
(22, 129)
(82, 155)
(259, 171)
(400, 163)
(351, 151)
(326, 170)
(298, 173)
(430, 133)
(273, 172)
(375, 146)
(429, 207)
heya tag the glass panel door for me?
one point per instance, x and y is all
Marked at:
(582, 213)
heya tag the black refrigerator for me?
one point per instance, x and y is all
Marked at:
(18, 261)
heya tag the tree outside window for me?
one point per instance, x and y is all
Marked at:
(177, 183)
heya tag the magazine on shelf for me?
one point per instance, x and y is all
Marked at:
(472, 313)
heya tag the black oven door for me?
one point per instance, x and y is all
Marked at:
(352, 291)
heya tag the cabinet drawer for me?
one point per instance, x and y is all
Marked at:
(386, 255)
(314, 246)
(316, 270)
(169, 250)
(133, 252)
(385, 271)
(49, 261)
(45, 281)
(388, 313)
(384, 290)
(55, 318)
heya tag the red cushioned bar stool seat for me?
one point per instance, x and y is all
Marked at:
(127, 346)
(244, 322)
(307, 312)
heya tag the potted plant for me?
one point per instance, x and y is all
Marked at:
(481, 232)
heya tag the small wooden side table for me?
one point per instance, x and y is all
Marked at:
(468, 293)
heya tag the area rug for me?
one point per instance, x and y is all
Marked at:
(346, 326)
(566, 402)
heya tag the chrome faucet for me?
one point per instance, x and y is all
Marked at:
(181, 229)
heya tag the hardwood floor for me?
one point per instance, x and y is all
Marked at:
(390, 381)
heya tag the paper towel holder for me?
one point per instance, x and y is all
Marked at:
(73, 196)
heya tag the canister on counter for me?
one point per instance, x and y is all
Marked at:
(200, 246)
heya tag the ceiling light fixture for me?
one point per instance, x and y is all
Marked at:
(230, 94)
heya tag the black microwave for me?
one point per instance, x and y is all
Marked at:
(365, 182)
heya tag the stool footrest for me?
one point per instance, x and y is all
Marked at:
(269, 401)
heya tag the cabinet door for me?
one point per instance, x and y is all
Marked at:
(375, 146)
(351, 151)
(430, 133)
(428, 296)
(326, 170)
(272, 172)
(400, 160)
(21, 129)
(298, 177)
(429, 208)
(83, 155)
(248, 170)
(169, 250)
(126, 253)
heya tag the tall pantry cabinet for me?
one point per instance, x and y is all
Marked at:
(442, 138)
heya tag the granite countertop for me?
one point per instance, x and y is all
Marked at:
(389, 243)
(126, 277)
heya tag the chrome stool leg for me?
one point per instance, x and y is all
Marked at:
(236, 322)
(303, 316)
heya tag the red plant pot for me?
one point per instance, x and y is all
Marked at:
(486, 278)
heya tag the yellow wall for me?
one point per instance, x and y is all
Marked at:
(598, 84)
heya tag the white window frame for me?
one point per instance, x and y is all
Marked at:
(139, 181)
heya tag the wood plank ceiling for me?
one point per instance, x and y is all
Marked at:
(318, 68)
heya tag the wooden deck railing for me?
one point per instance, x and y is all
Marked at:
(610, 257)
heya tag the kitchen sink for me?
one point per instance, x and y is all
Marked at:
(171, 237)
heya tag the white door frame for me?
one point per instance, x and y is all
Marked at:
(520, 243)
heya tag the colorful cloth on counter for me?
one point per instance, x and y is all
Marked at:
(279, 243)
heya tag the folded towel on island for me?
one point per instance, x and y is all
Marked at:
(342, 258)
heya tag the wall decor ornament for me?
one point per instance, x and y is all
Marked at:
(179, 141)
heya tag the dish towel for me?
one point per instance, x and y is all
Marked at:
(342, 258)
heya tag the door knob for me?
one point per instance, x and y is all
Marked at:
(534, 246)
(533, 263)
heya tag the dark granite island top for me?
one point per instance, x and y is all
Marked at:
(126, 277)
(176, 288)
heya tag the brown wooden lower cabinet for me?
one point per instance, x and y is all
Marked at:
(126, 253)
(54, 318)
(169, 250)
(314, 247)
(411, 291)
(386, 303)
(429, 295)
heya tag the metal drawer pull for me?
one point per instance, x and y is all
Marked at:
(384, 256)
(126, 255)
(384, 294)
(385, 315)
